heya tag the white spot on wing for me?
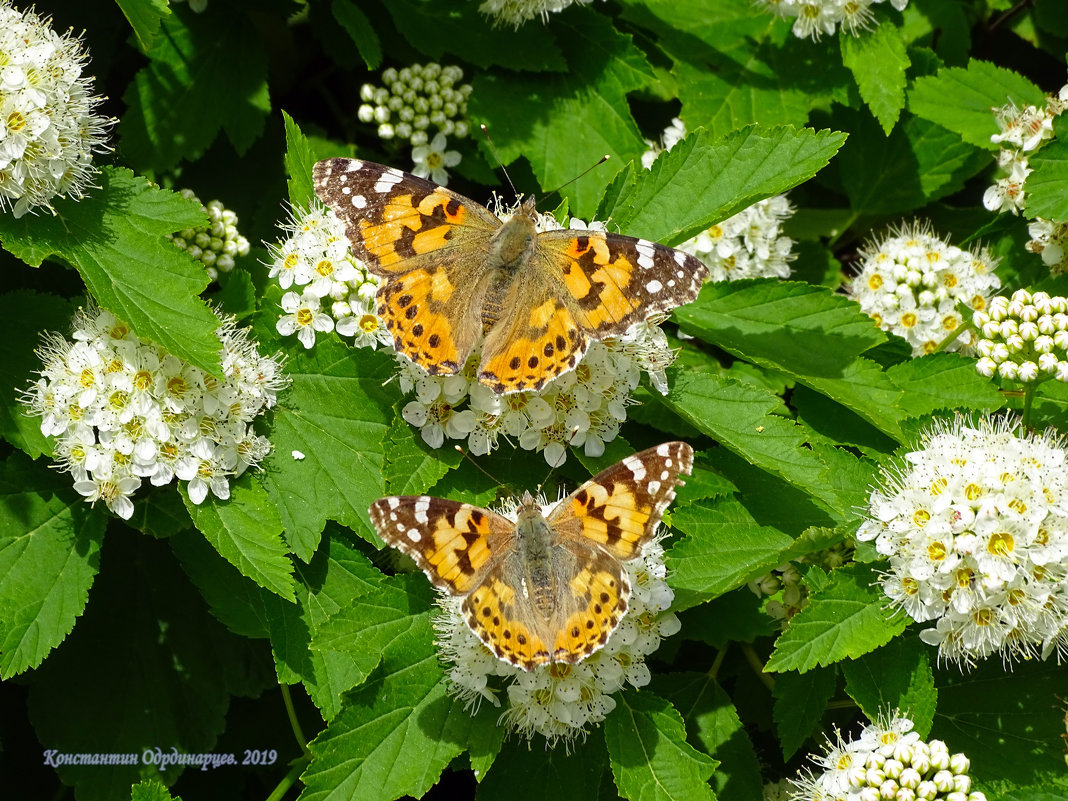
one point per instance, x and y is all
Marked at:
(636, 467)
(654, 487)
(645, 253)
(664, 450)
(680, 258)
(359, 201)
(353, 165)
(653, 287)
(393, 502)
(414, 535)
(387, 180)
(421, 507)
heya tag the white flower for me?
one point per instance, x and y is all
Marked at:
(975, 526)
(911, 282)
(431, 160)
(302, 317)
(147, 414)
(1048, 239)
(886, 761)
(516, 12)
(813, 18)
(561, 701)
(48, 128)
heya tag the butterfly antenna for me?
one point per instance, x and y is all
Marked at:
(493, 151)
(588, 170)
(480, 468)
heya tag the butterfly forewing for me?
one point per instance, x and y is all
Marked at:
(455, 544)
(620, 507)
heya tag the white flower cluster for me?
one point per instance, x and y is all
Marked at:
(748, 245)
(560, 701)
(1024, 338)
(122, 410)
(216, 244)
(975, 526)
(316, 259)
(888, 760)
(48, 131)
(911, 282)
(415, 99)
(1023, 131)
(582, 408)
(784, 587)
(516, 12)
(813, 18)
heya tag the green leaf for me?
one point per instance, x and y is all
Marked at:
(650, 757)
(200, 79)
(152, 790)
(49, 555)
(743, 418)
(896, 676)
(246, 530)
(299, 164)
(145, 17)
(115, 239)
(724, 548)
(713, 722)
(800, 701)
(356, 24)
(23, 316)
(536, 115)
(413, 467)
(919, 162)
(943, 381)
(1047, 184)
(1009, 723)
(878, 61)
(961, 99)
(704, 179)
(579, 772)
(145, 653)
(844, 621)
(436, 28)
(335, 413)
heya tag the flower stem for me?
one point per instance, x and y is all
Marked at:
(287, 781)
(1029, 397)
(287, 699)
(754, 662)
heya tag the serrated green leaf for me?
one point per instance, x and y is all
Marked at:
(1047, 184)
(335, 413)
(200, 79)
(896, 676)
(724, 547)
(236, 294)
(844, 621)
(704, 179)
(152, 790)
(651, 760)
(878, 60)
(741, 417)
(1009, 722)
(573, 774)
(356, 25)
(115, 239)
(800, 701)
(23, 316)
(246, 530)
(713, 722)
(145, 17)
(943, 381)
(919, 162)
(49, 555)
(436, 28)
(961, 98)
(413, 467)
(535, 115)
(299, 163)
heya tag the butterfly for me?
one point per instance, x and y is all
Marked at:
(546, 588)
(454, 276)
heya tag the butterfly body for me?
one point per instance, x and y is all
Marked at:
(453, 276)
(546, 587)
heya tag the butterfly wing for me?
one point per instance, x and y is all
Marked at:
(455, 544)
(613, 281)
(619, 508)
(427, 244)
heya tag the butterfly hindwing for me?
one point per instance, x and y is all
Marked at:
(619, 508)
(454, 543)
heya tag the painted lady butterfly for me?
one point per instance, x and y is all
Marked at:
(453, 274)
(544, 588)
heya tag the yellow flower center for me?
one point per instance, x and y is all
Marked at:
(1001, 544)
